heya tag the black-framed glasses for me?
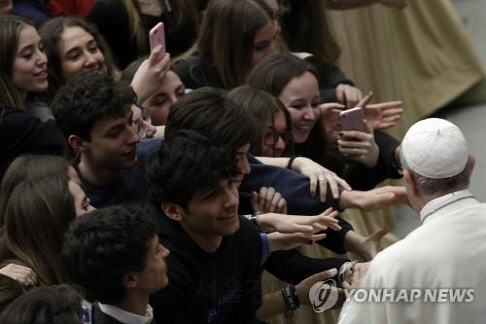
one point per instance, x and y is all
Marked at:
(273, 137)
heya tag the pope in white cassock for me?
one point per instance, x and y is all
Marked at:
(441, 264)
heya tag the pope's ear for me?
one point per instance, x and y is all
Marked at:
(76, 143)
(411, 182)
(173, 211)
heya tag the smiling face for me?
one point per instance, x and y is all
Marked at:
(113, 143)
(211, 213)
(29, 73)
(301, 97)
(79, 52)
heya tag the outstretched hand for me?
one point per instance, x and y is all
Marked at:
(299, 224)
(381, 115)
(369, 248)
(377, 198)
(285, 241)
(319, 177)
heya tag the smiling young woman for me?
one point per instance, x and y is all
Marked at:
(23, 73)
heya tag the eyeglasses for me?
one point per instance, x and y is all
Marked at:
(273, 137)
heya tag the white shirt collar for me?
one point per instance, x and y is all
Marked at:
(127, 317)
(438, 203)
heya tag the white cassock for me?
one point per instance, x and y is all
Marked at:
(447, 251)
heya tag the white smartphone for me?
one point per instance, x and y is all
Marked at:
(352, 119)
(157, 37)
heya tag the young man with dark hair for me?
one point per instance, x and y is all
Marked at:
(216, 255)
(115, 255)
(212, 113)
(94, 112)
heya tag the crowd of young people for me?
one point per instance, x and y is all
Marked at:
(234, 127)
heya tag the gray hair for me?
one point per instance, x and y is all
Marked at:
(429, 186)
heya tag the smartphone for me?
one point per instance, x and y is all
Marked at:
(352, 119)
(157, 37)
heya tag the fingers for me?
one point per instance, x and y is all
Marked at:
(353, 95)
(22, 274)
(281, 206)
(386, 105)
(323, 188)
(392, 112)
(353, 135)
(380, 233)
(333, 185)
(346, 285)
(254, 202)
(331, 106)
(314, 182)
(276, 200)
(321, 276)
(154, 54)
(327, 218)
(269, 200)
(365, 100)
(318, 237)
(263, 200)
(367, 128)
(343, 184)
(340, 93)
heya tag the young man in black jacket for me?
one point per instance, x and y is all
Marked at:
(216, 255)
(115, 255)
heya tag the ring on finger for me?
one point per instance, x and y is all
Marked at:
(321, 180)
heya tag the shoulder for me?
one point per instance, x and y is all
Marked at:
(101, 318)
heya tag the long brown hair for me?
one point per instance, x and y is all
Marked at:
(226, 37)
(305, 29)
(37, 214)
(134, 20)
(26, 168)
(10, 27)
(51, 33)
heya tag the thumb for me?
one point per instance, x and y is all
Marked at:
(324, 275)
(367, 127)
(365, 100)
(378, 235)
(154, 54)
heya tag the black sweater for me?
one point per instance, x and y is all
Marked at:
(21, 133)
(219, 287)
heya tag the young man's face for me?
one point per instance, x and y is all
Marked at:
(154, 276)
(212, 212)
(113, 143)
